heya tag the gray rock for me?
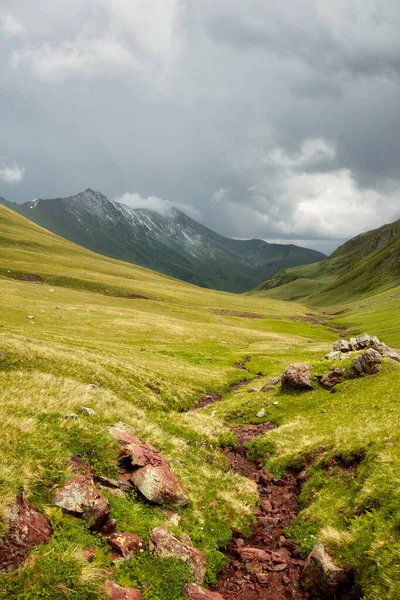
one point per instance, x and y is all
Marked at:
(261, 413)
(321, 574)
(368, 363)
(353, 343)
(363, 340)
(342, 346)
(71, 416)
(88, 412)
(385, 351)
(336, 355)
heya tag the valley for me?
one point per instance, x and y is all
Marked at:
(187, 369)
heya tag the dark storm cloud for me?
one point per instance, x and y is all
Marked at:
(270, 119)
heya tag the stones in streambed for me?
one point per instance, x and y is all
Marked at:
(296, 377)
(27, 528)
(141, 466)
(196, 592)
(114, 591)
(80, 498)
(165, 544)
(321, 575)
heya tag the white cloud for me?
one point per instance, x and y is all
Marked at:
(82, 56)
(11, 173)
(218, 196)
(304, 196)
(10, 26)
(311, 152)
(158, 205)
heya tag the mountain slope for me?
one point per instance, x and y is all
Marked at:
(365, 265)
(172, 243)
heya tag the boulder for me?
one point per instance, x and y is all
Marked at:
(363, 341)
(385, 351)
(27, 528)
(80, 497)
(116, 592)
(143, 467)
(125, 545)
(296, 377)
(261, 413)
(163, 543)
(196, 592)
(368, 363)
(342, 346)
(331, 379)
(353, 343)
(321, 574)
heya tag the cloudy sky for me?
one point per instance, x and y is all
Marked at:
(264, 118)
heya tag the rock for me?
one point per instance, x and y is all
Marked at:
(116, 592)
(296, 377)
(27, 528)
(163, 543)
(30, 317)
(337, 355)
(363, 341)
(126, 545)
(353, 343)
(274, 380)
(342, 346)
(80, 497)
(331, 379)
(251, 390)
(142, 466)
(321, 574)
(195, 592)
(88, 412)
(267, 388)
(367, 363)
(58, 307)
(248, 554)
(261, 413)
(94, 385)
(71, 416)
(385, 351)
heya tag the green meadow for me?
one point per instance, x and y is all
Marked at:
(151, 345)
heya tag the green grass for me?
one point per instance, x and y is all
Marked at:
(150, 359)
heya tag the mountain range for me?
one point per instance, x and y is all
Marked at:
(171, 243)
(367, 264)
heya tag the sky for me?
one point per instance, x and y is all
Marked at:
(268, 119)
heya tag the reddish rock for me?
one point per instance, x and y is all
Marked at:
(164, 543)
(26, 529)
(195, 592)
(143, 467)
(116, 592)
(331, 379)
(296, 377)
(253, 554)
(126, 545)
(80, 497)
(321, 574)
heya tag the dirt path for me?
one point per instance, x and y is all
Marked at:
(267, 565)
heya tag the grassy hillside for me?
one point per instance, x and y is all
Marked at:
(152, 345)
(365, 265)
